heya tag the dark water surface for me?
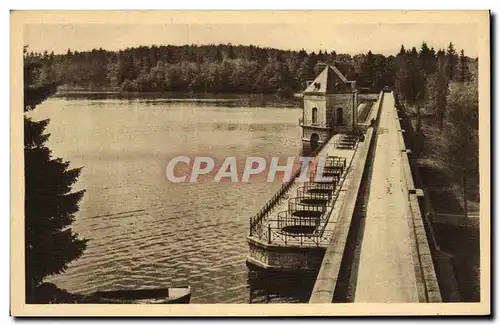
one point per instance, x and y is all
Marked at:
(144, 231)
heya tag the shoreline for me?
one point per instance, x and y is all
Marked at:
(244, 99)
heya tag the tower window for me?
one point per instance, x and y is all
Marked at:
(314, 115)
(340, 116)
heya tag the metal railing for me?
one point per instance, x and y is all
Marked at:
(313, 185)
(315, 193)
(279, 195)
(319, 237)
(291, 218)
(300, 215)
(335, 162)
(328, 177)
(305, 224)
(275, 199)
(305, 204)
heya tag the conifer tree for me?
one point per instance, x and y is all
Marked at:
(427, 59)
(461, 142)
(402, 51)
(50, 204)
(463, 68)
(451, 61)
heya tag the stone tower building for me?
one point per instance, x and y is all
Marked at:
(330, 107)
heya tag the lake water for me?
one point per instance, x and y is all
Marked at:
(144, 231)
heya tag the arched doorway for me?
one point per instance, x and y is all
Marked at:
(314, 115)
(314, 141)
(340, 116)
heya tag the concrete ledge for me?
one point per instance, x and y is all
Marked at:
(425, 274)
(280, 258)
(326, 281)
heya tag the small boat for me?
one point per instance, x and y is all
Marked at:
(141, 296)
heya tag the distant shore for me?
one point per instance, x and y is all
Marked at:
(231, 99)
(296, 96)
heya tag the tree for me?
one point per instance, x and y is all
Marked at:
(432, 82)
(451, 61)
(367, 71)
(410, 80)
(113, 75)
(402, 50)
(427, 59)
(211, 68)
(380, 70)
(230, 52)
(50, 204)
(305, 72)
(461, 140)
(389, 71)
(437, 91)
(463, 68)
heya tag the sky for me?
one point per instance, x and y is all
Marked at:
(343, 38)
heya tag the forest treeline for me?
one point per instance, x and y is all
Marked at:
(208, 68)
(224, 68)
(438, 92)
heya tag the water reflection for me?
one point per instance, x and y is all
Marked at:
(213, 99)
(147, 232)
(280, 287)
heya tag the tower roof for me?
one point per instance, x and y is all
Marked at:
(330, 80)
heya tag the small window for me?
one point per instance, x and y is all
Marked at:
(314, 115)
